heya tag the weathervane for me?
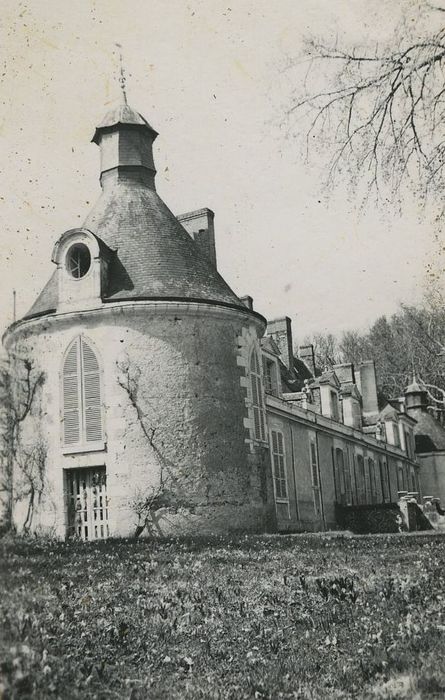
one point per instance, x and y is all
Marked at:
(122, 78)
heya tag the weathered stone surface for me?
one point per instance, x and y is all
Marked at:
(185, 358)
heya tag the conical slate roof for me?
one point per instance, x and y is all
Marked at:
(415, 388)
(155, 256)
(429, 433)
(151, 254)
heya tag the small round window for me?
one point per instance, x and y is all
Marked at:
(78, 260)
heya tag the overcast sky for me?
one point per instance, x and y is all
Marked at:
(210, 77)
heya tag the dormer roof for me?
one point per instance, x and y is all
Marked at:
(389, 413)
(269, 345)
(351, 390)
(329, 377)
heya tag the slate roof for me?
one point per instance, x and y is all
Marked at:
(415, 388)
(429, 433)
(389, 412)
(46, 302)
(328, 377)
(293, 379)
(155, 258)
(122, 114)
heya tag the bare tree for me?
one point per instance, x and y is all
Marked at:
(31, 463)
(22, 462)
(381, 110)
(326, 350)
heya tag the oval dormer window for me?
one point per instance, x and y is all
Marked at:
(78, 260)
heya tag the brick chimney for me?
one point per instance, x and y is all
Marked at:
(199, 225)
(281, 331)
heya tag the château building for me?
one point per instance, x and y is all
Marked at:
(162, 400)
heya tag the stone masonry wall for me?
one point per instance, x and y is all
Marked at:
(193, 403)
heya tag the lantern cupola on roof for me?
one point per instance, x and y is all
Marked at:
(416, 395)
(126, 141)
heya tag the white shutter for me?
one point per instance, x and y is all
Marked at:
(92, 408)
(71, 396)
(257, 398)
(262, 417)
(279, 467)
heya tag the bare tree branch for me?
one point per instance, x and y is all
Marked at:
(388, 109)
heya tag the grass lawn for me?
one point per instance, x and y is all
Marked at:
(250, 617)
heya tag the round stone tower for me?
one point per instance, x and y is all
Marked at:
(140, 352)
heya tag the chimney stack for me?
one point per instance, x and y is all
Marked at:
(367, 384)
(307, 355)
(199, 225)
(281, 331)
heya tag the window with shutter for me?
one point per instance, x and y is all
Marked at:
(279, 467)
(384, 479)
(372, 480)
(414, 485)
(361, 481)
(348, 480)
(340, 468)
(71, 396)
(316, 492)
(257, 398)
(82, 404)
(401, 480)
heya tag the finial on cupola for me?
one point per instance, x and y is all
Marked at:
(122, 79)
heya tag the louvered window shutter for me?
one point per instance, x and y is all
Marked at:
(279, 468)
(92, 409)
(257, 398)
(71, 396)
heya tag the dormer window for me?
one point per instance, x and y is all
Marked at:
(270, 376)
(82, 261)
(395, 430)
(78, 260)
(334, 405)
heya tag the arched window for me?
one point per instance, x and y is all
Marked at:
(257, 398)
(81, 389)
